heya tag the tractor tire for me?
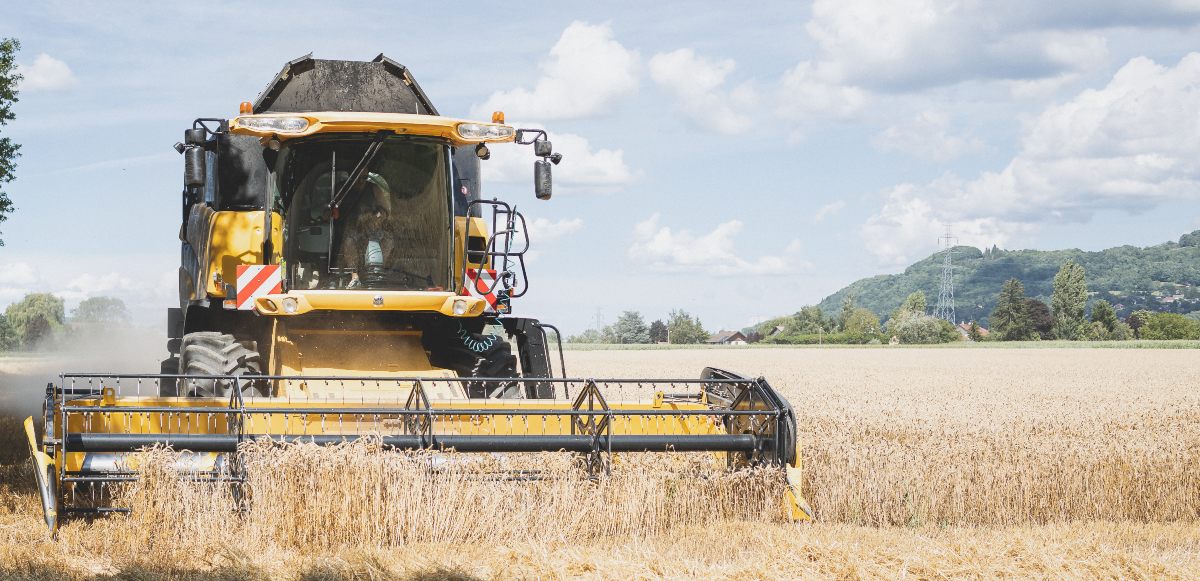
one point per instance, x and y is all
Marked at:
(215, 353)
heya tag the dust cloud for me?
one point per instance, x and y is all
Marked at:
(24, 375)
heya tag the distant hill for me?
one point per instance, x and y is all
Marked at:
(1165, 277)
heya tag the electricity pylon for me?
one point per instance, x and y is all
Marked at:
(945, 304)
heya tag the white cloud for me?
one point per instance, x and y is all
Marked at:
(1040, 88)
(18, 279)
(908, 44)
(828, 210)
(928, 136)
(586, 71)
(697, 84)
(46, 74)
(660, 248)
(1127, 146)
(108, 284)
(146, 292)
(545, 230)
(582, 167)
(812, 91)
(871, 51)
(18, 273)
(908, 226)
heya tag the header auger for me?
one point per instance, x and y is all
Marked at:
(342, 277)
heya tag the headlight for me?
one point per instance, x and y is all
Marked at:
(274, 124)
(475, 131)
(290, 305)
(460, 307)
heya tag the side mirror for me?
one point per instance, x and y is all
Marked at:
(194, 167)
(543, 187)
(542, 182)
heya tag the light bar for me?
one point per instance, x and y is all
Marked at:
(484, 131)
(274, 124)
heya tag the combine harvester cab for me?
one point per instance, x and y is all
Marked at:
(342, 278)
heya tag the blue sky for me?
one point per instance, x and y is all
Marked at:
(734, 162)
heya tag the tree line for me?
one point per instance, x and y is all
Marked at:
(39, 319)
(908, 323)
(680, 327)
(1020, 318)
(1130, 278)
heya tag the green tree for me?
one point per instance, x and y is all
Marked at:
(1069, 301)
(101, 310)
(848, 308)
(948, 332)
(1136, 320)
(35, 318)
(683, 328)
(1010, 319)
(913, 307)
(924, 329)
(658, 332)
(608, 334)
(974, 333)
(8, 337)
(861, 325)
(9, 151)
(1040, 318)
(809, 321)
(914, 303)
(1122, 332)
(588, 336)
(1166, 326)
(631, 328)
(1103, 313)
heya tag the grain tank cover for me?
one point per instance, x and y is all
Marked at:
(307, 84)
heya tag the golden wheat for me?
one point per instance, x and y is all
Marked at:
(358, 495)
(980, 437)
(923, 463)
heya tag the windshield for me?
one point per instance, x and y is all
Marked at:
(389, 229)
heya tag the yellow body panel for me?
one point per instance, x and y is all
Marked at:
(43, 466)
(349, 354)
(359, 122)
(464, 228)
(201, 416)
(369, 300)
(234, 238)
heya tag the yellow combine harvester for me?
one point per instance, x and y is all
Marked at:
(343, 277)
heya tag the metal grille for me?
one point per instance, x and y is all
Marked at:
(93, 420)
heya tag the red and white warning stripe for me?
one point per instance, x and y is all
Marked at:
(256, 280)
(481, 282)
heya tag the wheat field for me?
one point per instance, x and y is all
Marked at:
(922, 463)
